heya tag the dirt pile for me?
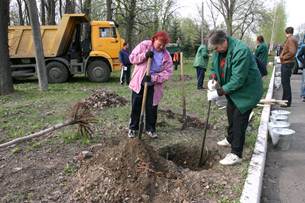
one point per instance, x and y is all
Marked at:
(191, 121)
(131, 171)
(101, 99)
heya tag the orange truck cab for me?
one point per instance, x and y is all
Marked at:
(74, 46)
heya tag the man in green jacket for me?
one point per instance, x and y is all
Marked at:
(200, 63)
(238, 78)
(261, 51)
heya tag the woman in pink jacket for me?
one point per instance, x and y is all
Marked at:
(161, 70)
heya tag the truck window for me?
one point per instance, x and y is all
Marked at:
(107, 32)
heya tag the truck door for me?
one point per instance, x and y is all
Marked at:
(109, 42)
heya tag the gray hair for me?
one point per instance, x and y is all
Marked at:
(217, 37)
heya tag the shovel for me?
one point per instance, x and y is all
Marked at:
(144, 100)
(204, 136)
(183, 93)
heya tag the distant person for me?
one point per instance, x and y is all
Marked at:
(261, 51)
(235, 75)
(200, 63)
(301, 58)
(287, 58)
(261, 55)
(176, 59)
(161, 70)
(126, 65)
(279, 49)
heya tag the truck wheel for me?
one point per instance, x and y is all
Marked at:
(98, 71)
(57, 72)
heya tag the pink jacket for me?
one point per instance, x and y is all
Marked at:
(137, 57)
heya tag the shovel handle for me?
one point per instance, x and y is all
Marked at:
(205, 133)
(144, 99)
(182, 91)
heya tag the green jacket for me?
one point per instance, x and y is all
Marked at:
(242, 80)
(261, 52)
(202, 57)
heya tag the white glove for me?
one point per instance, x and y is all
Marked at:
(212, 84)
(212, 95)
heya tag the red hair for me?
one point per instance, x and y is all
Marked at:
(162, 36)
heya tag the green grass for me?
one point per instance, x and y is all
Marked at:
(28, 110)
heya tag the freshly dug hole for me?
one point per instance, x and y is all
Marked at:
(187, 156)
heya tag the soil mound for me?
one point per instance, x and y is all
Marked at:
(101, 99)
(128, 172)
(191, 121)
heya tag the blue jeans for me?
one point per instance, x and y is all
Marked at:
(303, 84)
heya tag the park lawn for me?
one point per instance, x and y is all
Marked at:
(28, 110)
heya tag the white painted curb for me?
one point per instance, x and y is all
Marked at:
(253, 184)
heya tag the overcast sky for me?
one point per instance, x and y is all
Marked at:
(295, 10)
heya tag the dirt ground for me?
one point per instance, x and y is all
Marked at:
(122, 169)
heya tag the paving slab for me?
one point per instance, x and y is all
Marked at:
(284, 177)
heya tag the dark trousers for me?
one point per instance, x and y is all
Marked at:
(150, 111)
(286, 70)
(238, 123)
(125, 75)
(200, 77)
(176, 65)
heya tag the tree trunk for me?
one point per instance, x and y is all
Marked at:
(80, 2)
(20, 11)
(27, 13)
(87, 8)
(70, 6)
(156, 17)
(6, 82)
(51, 12)
(60, 8)
(39, 56)
(43, 12)
(131, 22)
(109, 9)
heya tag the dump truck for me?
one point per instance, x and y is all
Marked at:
(74, 46)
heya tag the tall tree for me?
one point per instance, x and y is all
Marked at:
(51, 5)
(128, 13)
(109, 9)
(168, 7)
(60, 8)
(174, 30)
(27, 13)
(43, 12)
(6, 83)
(190, 37)
(238, 15)
(213, 16)
(20, 11)
(70, 6)
(39, 54)
(87, 8)
(274, 20)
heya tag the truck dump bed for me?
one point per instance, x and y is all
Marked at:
(56, 39)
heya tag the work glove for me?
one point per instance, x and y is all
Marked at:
(212, 84)
(212, 95)
(149, 54)
(147, 78)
